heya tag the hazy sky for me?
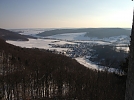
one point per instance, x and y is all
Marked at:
(65, 13)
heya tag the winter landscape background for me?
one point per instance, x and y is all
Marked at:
(78, 45)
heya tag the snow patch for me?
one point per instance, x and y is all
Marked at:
(94, 66)
(40, 43)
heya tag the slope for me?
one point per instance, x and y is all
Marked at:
(9, 35)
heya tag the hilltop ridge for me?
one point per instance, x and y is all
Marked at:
(90, 32)
(10, 35)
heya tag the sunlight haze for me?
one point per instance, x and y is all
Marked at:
(65, 13)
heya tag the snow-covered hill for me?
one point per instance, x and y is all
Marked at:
(82, 36)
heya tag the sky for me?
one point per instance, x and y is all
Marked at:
(65, 13)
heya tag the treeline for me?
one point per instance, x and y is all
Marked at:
(33, 74)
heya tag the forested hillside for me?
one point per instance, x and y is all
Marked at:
(90, 32)
(34, 74)
(9, 35)
(108, 32)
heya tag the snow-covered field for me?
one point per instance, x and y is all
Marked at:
(31, 31)
(82, 37)
(68, 38)
(40, 43)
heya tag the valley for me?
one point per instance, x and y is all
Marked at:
(78, 46)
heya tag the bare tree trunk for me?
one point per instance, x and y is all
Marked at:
(24, 89)
(46, 86)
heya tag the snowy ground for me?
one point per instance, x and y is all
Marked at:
(93, 66)
(30, 31)
(82, 37)
(40, 43)
(70, 36)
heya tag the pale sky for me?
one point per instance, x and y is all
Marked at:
(65, 13)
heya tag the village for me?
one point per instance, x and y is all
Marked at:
(75, 50)
(99, 54)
